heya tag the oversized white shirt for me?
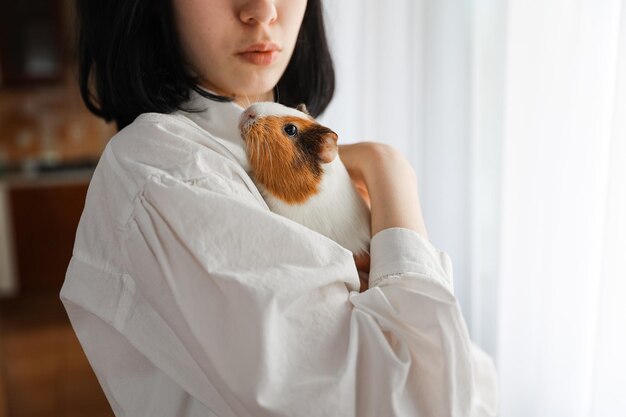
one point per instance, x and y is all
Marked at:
(190, 298)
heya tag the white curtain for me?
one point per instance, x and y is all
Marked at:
(562, 330)
(513, 113)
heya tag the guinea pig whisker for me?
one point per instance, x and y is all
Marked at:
(249, 149)
(269, 154)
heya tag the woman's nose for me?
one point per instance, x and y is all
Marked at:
(261, 11)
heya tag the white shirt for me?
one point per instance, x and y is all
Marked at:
(191, 298)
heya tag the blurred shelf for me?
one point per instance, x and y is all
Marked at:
(48, 129)
(42, 173)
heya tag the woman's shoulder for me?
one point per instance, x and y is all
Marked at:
(156, 151)
(171, 145)
(161, 146)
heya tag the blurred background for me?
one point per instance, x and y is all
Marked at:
(513, 114)
(49, 145)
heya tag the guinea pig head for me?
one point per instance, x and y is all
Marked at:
(286, 149)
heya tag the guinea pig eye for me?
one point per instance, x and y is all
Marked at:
(290, 129)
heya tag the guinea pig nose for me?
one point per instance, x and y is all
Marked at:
(247, 119)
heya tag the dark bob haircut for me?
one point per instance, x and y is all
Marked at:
(130, 61)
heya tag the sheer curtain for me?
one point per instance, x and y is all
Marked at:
(562, 330)
(513, 114)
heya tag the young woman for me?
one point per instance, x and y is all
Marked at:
(191, 298)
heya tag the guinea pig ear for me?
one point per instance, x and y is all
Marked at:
(329, 149)
(302, 107)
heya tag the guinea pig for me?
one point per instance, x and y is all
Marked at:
(295, 164)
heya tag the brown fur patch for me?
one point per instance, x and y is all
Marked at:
(287, 167)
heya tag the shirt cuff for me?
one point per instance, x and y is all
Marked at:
(398, 251)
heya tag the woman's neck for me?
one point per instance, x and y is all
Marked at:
(243, 100)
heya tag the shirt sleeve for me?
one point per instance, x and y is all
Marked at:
(270, 312)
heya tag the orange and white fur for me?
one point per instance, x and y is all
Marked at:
(296, 166)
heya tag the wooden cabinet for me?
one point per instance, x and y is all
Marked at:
(43, 217)
(33, 48)
(43, 370)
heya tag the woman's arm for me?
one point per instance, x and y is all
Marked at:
(390, 182)
(269, 311)
(382, 174)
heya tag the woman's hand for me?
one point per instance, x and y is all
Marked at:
(387, 182)
(362, 263)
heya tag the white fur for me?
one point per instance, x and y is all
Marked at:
(337, 211)
(267, 108)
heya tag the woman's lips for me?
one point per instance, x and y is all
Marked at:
(260, 57)
(260, 53)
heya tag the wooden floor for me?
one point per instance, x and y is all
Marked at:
(43, 370)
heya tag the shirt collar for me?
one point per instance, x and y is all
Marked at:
(220, 120)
